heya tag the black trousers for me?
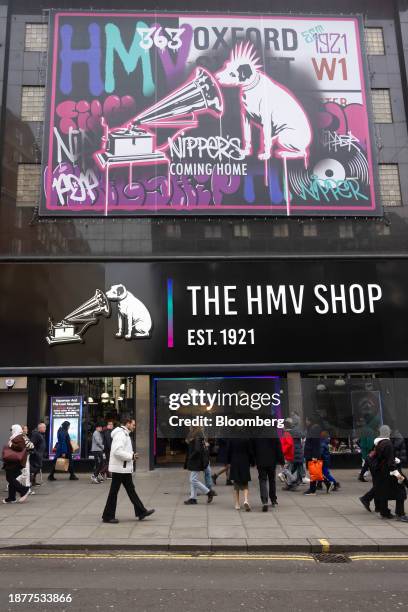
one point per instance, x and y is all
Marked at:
(98, 458)
(266, 475)
(13, 484)
(369, 497)
(384, 510)
(126, 480)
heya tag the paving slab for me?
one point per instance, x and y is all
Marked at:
(67, 515)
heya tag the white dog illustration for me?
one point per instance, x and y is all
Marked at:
(286, 130)
(132, 310)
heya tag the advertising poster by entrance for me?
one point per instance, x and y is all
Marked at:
(66, 409)
(188, 114)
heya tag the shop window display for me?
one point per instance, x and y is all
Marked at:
(103, 399)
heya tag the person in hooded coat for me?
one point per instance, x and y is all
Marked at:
(398, 444)
(386, 484)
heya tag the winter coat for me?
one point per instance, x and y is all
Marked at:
(97, 442)
(385, 486)
(267, 452)
(366, 441)
(400, 450)
(197, 458)
(288, 447)
(63, 446)
(37, 456)
(241, 457)
(298, 446)
(107, 440)
(312, 444)
(222, 451)
(18, 444)
(325, 451)
(121, 456)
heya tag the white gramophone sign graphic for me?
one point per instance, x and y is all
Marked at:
(134, 320)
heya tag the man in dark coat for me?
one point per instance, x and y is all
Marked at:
(386, 486)
(268, 453)
(37, 456)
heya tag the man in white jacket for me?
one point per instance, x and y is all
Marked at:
(121, 466)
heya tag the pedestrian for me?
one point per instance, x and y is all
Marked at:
(387, 480)
(298, 457)
(367, 436)
(197, 460)
(288, 449)
(240, 456)
(222, 459)
(37, 456)
(107, 443)
(13, 464)
(312, 449)
(399, 447)
(267, 455)
(97, 449)
(64, 450)
(330, 481)
(121, 466)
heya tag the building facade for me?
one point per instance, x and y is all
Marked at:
(316, 303)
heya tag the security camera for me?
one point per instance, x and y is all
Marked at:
(10, 382)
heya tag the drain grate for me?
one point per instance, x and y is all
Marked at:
(331, 558)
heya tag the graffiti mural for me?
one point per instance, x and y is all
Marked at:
(212, 115)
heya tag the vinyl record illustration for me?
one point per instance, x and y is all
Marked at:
(334, 166)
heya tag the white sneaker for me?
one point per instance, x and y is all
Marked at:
(24, 498)
(95, 480)
(281, 477)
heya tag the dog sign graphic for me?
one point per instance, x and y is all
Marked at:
(134, 320)
(188, 114)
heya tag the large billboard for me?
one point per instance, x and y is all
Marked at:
(188, 114)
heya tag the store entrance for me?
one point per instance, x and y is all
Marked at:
(86, 402)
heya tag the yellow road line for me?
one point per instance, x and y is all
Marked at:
(178, 556)
(325, 545)
(379, 557)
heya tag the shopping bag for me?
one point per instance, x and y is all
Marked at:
(74, 446)
(62, 464)
(315, 468)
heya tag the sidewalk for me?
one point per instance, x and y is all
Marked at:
(67, 515)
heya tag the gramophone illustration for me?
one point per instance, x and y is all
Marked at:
(136, 144)
(73, 326)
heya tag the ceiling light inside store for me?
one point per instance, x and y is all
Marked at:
(105, 395)
(321, 387)
(120, 398)
(122, 386)
(339, 382)
(90, 400)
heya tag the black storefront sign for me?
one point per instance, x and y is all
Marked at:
(208, 315)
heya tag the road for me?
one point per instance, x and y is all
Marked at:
(150, 582)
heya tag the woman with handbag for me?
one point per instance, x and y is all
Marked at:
(15, 458)
(63, 450)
